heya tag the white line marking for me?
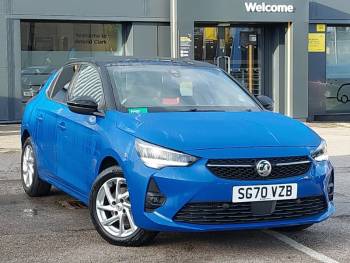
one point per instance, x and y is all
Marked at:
(9, 131)
(306, 250)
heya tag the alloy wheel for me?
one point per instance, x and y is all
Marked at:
(113, 208)
(28, 166)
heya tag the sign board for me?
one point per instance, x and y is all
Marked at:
(317, 42)
(321, 28)
(254, 7)
(185, 46)
(210, 33)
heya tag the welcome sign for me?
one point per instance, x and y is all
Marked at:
(254, 7)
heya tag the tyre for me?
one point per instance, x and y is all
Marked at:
(111, 211)
(294, 228)
(31, 182)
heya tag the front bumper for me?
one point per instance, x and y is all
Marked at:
(182, 185)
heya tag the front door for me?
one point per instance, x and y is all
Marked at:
(77, 134)
(236, 49)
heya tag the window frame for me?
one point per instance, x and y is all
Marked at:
(52, 88)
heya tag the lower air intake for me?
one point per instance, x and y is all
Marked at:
(239, 213)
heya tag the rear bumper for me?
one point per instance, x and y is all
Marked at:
(197, 184)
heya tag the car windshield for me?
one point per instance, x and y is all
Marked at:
(148, 88)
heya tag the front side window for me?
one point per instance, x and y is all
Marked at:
(178, 88)
(87, 83)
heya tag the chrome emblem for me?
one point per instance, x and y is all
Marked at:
(263, 168)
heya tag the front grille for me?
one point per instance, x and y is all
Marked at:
(236, 213)
(245, 169)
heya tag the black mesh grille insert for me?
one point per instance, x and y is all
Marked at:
(249, 173)
(236, 213)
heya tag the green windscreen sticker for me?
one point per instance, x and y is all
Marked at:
(138, 110)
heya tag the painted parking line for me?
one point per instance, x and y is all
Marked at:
(9, 132)
(300, 247)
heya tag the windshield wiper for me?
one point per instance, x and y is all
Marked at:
(204, 110)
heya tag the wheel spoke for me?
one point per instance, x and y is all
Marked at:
(108, 193)
(30, 179)
(25, 177)
(31, 169)
(26, 153)
(118, 182)
(106, 208)
(121, 225)
(111, 220)
(127, 205)
(130, 219)
(25, 167)
(116, 189)
(123, 195)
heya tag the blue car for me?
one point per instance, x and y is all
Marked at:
(171, 145)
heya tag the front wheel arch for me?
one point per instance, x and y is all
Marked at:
(137, 238)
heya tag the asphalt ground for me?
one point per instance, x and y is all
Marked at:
(48, 229)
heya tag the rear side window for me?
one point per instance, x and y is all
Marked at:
(87, 83)
(60, 90)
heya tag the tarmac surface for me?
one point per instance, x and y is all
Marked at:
(48, 229)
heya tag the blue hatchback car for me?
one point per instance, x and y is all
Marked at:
(171, 145)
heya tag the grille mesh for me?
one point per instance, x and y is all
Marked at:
(249, 173)
(235, 213)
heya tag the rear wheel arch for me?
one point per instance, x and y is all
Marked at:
(25, 136)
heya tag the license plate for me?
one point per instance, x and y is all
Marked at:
(257, 193)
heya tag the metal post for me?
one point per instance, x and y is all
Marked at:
(250, 67)
(173, 28)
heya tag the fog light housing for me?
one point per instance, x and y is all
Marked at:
(330, 187)
(154, 198)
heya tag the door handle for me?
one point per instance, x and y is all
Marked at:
(40, 117)
(62, 125)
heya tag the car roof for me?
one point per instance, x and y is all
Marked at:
(128, 61)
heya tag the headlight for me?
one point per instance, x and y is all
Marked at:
(158, 157)
(320, 154)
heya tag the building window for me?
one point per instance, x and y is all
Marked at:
(46, 46)
(338, 69)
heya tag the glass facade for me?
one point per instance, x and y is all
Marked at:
(46, 46)
(237, 49)
(338, 69)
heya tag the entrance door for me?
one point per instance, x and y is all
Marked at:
(236, 49)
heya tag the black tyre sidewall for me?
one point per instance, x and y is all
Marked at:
(138, 238)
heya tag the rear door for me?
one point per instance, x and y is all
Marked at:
(78, 134)
(46, 122)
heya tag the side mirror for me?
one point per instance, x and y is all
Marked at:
(266, 102)
(83, 105)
